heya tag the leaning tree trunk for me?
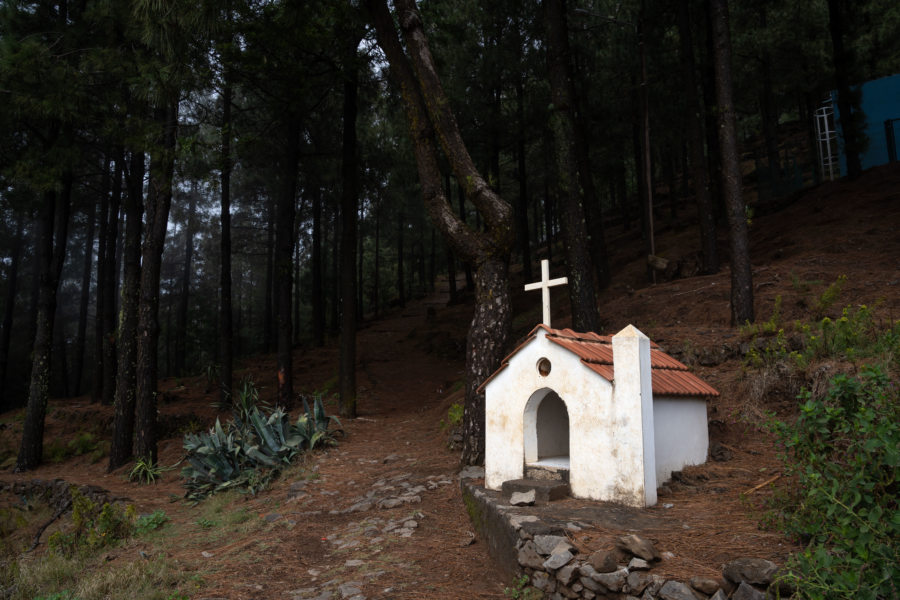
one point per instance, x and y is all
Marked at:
(741, 273)
(429, 116)
(579, 266)
(126, 347)
(51, 241)
(159, 199)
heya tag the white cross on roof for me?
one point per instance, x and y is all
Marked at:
(544, 285)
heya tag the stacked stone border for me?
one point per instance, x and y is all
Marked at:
(525, 545)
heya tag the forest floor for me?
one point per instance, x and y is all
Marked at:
(297, 539)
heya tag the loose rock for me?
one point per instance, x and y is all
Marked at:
(705, 585)
(529, 558)
(522, 498)
(611, 581)
(546, 544)
(639, 547)
(746, 591)
(755, 571)
(557, 560)
(675, 590)
(603, 561)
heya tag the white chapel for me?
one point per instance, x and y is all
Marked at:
(614, 414)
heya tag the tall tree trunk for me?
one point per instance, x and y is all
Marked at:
(429, 116)
(699, 167)
(51, 247)
(97, 386)
(159, 200)
(79, 345)
(12, 281)
(123, 427)
(268, 314)
(318, 289)
(349, 209)
(401, 225)
(111, 283)
(334, 291)
(185, 295)
(376, 278)
(226, 328)
(741, 273)
(522, 203)
(579, 266)
(283, 269)
(848, 103)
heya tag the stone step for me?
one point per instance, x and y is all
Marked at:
(544, 490)
(546, 473)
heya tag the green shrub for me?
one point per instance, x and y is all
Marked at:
(248, 451)
(145, 471)
(843, 453)
(93, 526)
(151, 522)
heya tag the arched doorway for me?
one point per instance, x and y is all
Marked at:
(546, 430)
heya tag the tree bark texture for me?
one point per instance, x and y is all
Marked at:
(699, 167)
(349, 209)
(579, 266)
(123, 428)
(51, 247)
(741, 273)
(429, 117)
(159, 200)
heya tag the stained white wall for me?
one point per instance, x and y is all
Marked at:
(681, 434)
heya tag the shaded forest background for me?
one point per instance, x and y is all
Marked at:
(184, 183)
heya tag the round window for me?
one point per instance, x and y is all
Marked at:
(543, 367)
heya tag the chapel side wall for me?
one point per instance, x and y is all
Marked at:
(681, 434)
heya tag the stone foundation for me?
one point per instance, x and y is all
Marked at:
(532, 541)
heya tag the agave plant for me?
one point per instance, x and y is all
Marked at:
(250, 449)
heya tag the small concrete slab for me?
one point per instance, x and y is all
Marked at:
(544, 491)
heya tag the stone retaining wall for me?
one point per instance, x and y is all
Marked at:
(526, 544)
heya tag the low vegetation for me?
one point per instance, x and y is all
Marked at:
(840, 453)
(251, 449)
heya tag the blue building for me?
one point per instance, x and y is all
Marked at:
(880, 103)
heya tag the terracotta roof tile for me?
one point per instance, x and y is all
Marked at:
(670, 376)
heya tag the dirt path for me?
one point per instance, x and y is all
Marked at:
(379, 516)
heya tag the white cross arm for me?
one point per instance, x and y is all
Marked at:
(544, 285)
(552, 283)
